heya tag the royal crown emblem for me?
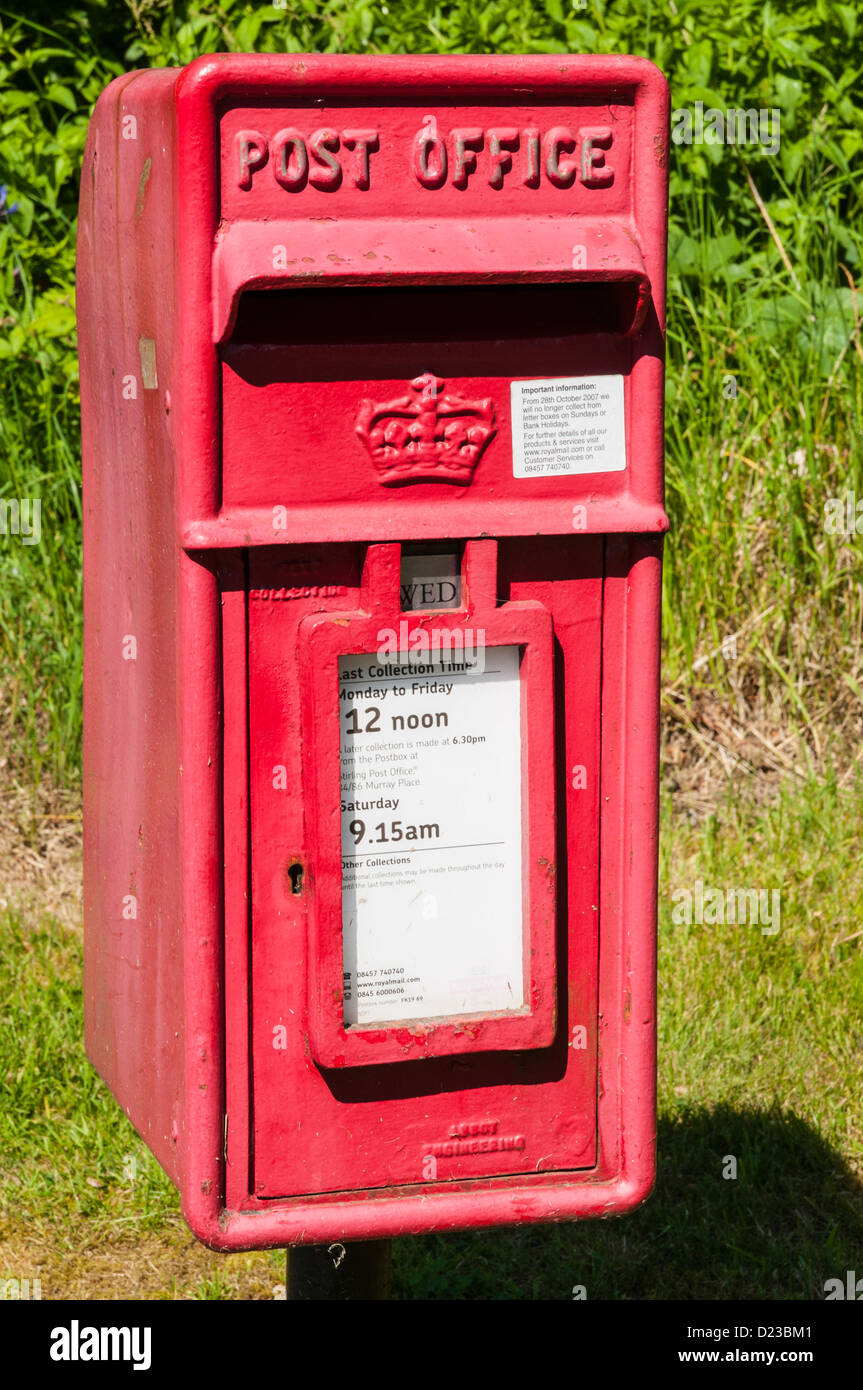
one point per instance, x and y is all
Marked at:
(427, 437)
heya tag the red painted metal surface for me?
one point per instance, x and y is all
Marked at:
(322, 638)
(306, 285)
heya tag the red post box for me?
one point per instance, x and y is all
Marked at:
(372, 371)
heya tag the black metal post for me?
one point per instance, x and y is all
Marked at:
(357, 1271)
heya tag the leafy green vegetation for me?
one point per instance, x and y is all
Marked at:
(764, 383)
(761, 1040)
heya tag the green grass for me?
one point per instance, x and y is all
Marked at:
(63, 1147)
(760, 1058)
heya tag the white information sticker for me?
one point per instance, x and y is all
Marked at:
(431, 835)
(569, 424)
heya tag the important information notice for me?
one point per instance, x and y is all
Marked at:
(567, 425)
(431, 835)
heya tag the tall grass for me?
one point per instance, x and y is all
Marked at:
(764, 383)
(759, 1058)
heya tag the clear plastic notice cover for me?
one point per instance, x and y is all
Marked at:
(431, 816)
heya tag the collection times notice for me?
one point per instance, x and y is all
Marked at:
(431, 835)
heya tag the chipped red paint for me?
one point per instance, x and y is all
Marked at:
(266, 244)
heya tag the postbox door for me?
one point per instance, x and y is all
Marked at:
(486, 1111)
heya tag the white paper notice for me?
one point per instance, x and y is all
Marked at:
(570, 424)
(431, 835)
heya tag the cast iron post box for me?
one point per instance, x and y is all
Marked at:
(372, 372)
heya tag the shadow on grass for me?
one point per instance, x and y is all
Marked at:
(791, 1219)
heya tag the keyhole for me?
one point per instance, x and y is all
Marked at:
(295, 874)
